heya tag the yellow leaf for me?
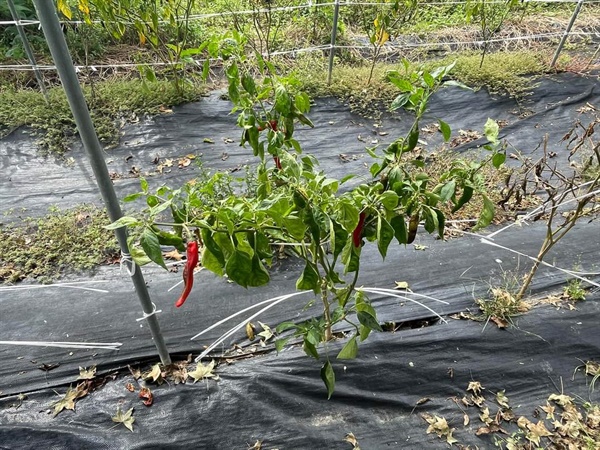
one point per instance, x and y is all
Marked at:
(142, 38)
(173, 254)
(203, 371)
(126, 418)
(87, 374)
(382, 37)
(64, 9)
(401, 285)
(84, 7)
(250, 331)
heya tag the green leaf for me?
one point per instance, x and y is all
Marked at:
(431, 221)
(302, 102)
(144, 185)
(347, 215)
(401, 83)
(441, 222)
(498, 159)
(368, 320)
(487, 214)
(132, 197)
(364, 332)
(457, 84)
(445, 129)
(212, 246)
(211, 262)
(309, 280)
(280, 344)
(259, 276)
(350, 257)
(385, 234)
(399, 226)
(400, 101)
(447, 191)
(248, 84)
(389, 199)
(239, 268)
(328, 377)
(310, 349)
(491, 130)
(338, 239)
(350, 350)
(295, 226)
(305, 121)
(124, 221)
(282, 101)
(429, 80)
(205, 70)
(284, 326)
(151, 246)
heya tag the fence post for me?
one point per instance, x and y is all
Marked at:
(336, 12)
(567, 31)
(27, 47)
(64, 65)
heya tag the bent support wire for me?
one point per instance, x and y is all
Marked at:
(64, 65)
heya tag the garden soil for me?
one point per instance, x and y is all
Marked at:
(415, 367)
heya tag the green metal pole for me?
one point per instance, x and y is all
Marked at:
(336, 12)
(64, 65)
(27, 47)
(567, 31)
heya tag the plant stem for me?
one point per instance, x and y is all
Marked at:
(326, 313)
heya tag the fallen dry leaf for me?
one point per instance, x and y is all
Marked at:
(401, 285)
(87, 374)
(126, 418)
(537, 431)
(146, 394)
(155, 374)
(502, 399)
(70, 397)
(203, 371)
(174, 254)
(250, 331)
(135, 373)
(439, 426)
(351, 439)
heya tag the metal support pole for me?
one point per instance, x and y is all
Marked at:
(336, 12)
(64, 65)
(568, 30)
(27, 47)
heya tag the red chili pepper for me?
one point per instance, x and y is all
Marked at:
(272, 124)
(277, 162)
(188, 272)
(357, 233)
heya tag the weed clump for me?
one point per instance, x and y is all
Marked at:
(61, 242)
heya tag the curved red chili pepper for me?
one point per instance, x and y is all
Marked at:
(357, 233)
(277, 162)
(188, 272)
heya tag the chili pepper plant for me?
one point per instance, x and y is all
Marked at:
(294, 203)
